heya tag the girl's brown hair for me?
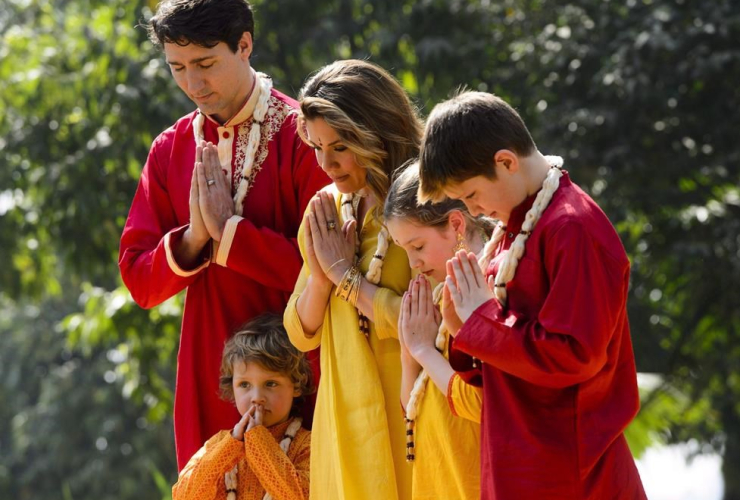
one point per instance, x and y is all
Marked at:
(402, 203)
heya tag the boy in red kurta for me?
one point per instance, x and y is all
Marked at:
(219, 202)
(549, 323)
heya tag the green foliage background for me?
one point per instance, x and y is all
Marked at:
(639, 96)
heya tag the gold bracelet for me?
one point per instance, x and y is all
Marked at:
(332, 267)
(355, 292)
(349, 285)
(344, 288)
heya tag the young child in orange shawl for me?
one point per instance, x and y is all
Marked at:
(267, 453)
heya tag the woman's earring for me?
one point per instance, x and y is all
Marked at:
(460, 245)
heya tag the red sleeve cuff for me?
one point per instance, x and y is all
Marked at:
(479, 324)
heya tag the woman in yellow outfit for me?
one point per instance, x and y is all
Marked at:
(443, 414)
(348, 295)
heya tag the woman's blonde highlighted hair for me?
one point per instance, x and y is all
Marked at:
(371, 113)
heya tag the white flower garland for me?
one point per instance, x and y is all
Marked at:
(231, 476)
(507, 269)
(259, 115)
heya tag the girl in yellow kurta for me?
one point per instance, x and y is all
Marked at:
(347, 298)
(443, 414)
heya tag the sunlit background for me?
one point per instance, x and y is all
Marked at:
(640, 97)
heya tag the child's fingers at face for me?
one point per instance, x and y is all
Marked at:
(258, 415)
(240, 426)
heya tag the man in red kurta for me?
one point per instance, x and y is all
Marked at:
(550, 323)
(221, 219)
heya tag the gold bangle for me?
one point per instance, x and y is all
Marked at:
(355, 292)
(345, 285)
(349, 283)
(332, 266)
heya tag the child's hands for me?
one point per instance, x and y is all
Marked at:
(240, 427)
(252, 418)
(452, 321)
(467, 285)
(421, 319)
(407, 360)
(256, 418)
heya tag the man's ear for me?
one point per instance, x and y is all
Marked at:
(297, 392)
(507, 159)
(245, 46)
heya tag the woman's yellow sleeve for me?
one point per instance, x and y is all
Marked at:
(291, 320)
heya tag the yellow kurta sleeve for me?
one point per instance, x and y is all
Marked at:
(465, 400)
(386, 309)
(291, 320)
(203, 476)
(281, 478)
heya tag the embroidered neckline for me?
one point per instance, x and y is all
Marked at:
(248, 141)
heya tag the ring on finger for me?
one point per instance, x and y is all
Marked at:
(210, 182)
(331, 225)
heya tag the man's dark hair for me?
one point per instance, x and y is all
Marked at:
(202, 22)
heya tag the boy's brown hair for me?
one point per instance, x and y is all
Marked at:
(263, 340)
(461, 137)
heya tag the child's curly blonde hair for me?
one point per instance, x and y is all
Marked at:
(264, 340)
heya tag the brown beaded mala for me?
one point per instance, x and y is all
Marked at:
(410, 450)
